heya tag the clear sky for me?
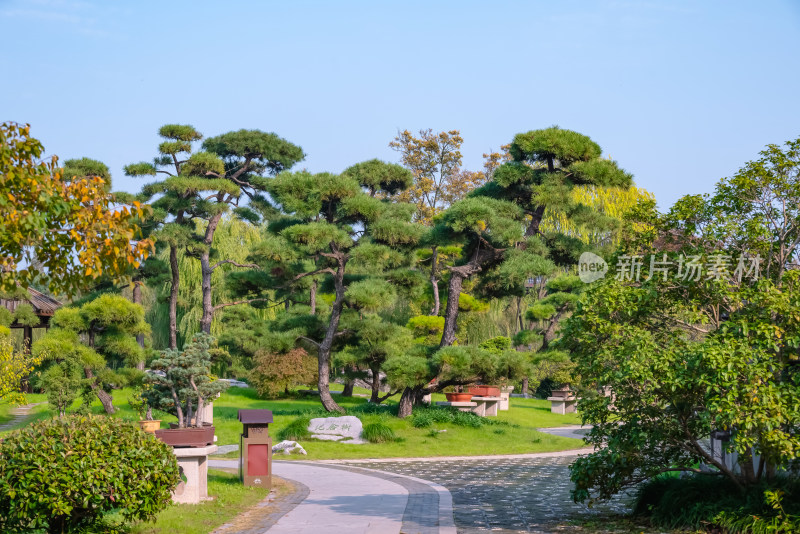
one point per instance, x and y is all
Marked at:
(680, 93)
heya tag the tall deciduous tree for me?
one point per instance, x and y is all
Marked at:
(57, 229)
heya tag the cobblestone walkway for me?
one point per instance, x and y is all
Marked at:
(505, 495)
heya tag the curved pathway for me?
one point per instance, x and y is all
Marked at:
(19, 414)
(358, 500)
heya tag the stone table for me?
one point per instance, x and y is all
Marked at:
(193, 462)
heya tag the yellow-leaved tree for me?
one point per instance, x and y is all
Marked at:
(61, 230)
(14, 367)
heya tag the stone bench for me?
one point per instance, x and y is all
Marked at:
(467, 406)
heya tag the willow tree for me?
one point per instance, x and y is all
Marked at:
(337, 225)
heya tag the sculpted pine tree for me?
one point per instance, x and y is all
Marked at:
(336, 225)
(439, 181)
(176, 199)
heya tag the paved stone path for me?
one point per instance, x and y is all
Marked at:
(19, 414)
(507, 495)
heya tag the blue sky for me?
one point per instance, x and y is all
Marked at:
(679, 93)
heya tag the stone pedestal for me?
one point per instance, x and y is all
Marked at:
(505, 393)
(462, 406)
(563, 405)
(193, 462)
(487, 406)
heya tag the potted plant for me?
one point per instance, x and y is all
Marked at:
(182, 384)
(138, 402)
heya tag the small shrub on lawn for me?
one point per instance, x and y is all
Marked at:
(378, 433)
(64, 475)
(296, 430)
(425, 417)
(702, 500)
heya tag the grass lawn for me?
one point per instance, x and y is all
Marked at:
(517, 437)
(230, 500)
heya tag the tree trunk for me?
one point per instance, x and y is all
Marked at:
(406, 405)
(376, 385)
(435, 281)
(208, 309)
(324, 354)
(451, 312)
(349, 383)
(173, 297)
(137, 299)
(525, 387)
(550, 333)
(536, 220)
(205, 271)
(105, 398)
(313, 297)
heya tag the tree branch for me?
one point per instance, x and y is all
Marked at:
(247, 301)
(242, 265)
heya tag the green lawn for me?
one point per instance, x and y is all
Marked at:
(230, 499)
(517, 437)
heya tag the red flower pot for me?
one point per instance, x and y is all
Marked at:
(458, 397)
(485, 391)
(187, 437)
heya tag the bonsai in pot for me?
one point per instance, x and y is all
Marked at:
(138, 402)
(181, 385)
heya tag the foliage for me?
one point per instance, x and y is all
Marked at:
(435, 161)
(85, 340)
(670, 391)
(378, 433)
(613, 202)
(186, 385)
(701, 501)
(275, 373)
(55, 229)
(25, 315)
(63, 475)
(296, 430)
(14, 367)
(425, 417)
(427, 328)
(62, 385)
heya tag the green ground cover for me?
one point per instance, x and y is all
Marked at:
(517, 436)
(230, 499)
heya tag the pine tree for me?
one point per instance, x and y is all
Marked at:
(341, 228)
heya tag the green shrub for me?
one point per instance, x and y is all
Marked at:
(63, 475)
(424, 417)
(296, 430)
(378, 433)
(699, 501)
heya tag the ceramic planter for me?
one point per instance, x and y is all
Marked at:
(485, 391)
(458, 397)
(150, 426)
(187, 437)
